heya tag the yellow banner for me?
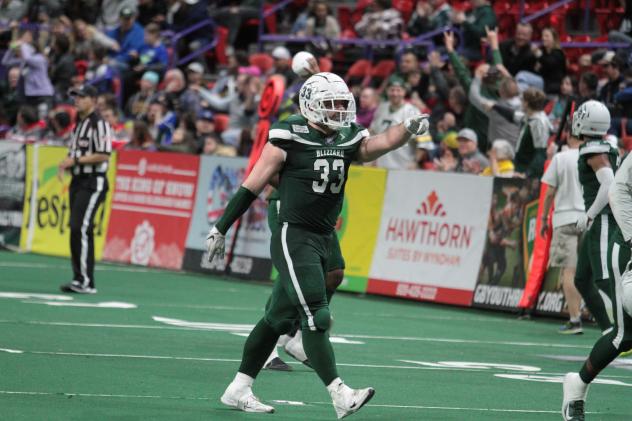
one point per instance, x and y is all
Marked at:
(359, 223)
(50, 215)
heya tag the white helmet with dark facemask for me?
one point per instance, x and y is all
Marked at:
(325, 99)
(592, 119)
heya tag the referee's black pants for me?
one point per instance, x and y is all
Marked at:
(86, 194)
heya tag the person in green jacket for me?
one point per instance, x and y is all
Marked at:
(474, 119)
(473, 26)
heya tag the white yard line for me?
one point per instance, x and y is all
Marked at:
(281, 402)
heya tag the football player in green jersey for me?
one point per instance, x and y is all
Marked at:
(593, 120)
(596, 166)
(311, 153)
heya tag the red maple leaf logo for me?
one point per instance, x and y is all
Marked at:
(431, 206)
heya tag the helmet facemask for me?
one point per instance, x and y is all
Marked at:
(336, 110)
(325, 100)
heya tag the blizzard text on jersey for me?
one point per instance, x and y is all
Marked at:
(330, 152)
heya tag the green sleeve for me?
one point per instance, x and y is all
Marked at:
(237, 206)
(465, 78)
(536, 166)
(497, 58)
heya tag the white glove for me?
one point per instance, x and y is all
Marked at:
(215, 244)
(583, 223)
(417, 125)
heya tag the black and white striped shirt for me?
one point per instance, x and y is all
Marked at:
(91, 135)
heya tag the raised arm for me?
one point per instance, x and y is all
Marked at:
(377, 145)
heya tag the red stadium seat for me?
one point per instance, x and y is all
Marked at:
(361, 69)
(383, 69)
(262, 60)
(222, 41)
(325, 64)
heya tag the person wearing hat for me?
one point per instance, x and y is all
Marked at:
(471, 160)
(192, 96)
(138, 104)
(283, 64)
(390, 113)
(424, 152)
(87, 161)
(130, 37)
(153, 54)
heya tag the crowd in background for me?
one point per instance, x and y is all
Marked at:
(498, 102)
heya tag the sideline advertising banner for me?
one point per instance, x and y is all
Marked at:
(12, 179)
(219, 178)
(510, 239)
(46, 224)
(359, 222)
(431, 237)
(152, 205)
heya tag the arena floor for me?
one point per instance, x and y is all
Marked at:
(158, 345)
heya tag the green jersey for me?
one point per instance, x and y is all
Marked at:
(313, 177)
(587, 176)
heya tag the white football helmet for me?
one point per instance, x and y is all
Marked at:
(592, 119)
(325, 99)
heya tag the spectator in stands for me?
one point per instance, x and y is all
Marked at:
(153, 54)
(498, 127)
(561, 101)
(437, 89)
(161, 121)
(117, 127)
(535, 130)
(100, 73)
(214, 146)
(232, 14)
(204, 127)
(321, 23)
(184, 14)
(283, 64)
(457, 102)
(34, 86)
(473, 26)
(516, 52)
(380, 22)
(110, 11)
(151, 11)
(175, 86)
(106, 100)
(565, 190)
(473, 118)
(11, 11)
(138, 104)
(389, 113)
(29, 127)
(429, 15)
(60, 128)
(9, 101)
(141, 139)
(613, 68)
(501, 156)
(424, 153)
(182, 141)
(367, 105)
(443, 126)
(623, 99)
(241, 107)
(87, 36)
(191, 98)
(448, 153)
(550, 61)
(471, 160)
(62, 66)
(130, 37)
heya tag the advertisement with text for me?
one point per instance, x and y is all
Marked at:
(153, 199)
(432, 235)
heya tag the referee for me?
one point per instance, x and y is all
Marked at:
(87, 160)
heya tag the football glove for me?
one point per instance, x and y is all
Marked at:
(583, 223)
(417, 125)
(215, 244)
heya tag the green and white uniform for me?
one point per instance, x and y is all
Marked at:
(592, 262)
(311, 192)
(335, 259)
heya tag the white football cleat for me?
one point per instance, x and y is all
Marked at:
(348, 401)
(575, 391)
(242, 398)
(294, 348)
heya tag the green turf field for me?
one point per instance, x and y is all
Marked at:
(158, 345)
